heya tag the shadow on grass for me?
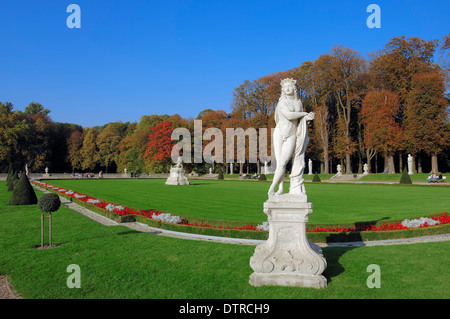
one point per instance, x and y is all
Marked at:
(343, 242)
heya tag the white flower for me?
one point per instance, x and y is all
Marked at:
(419, 222)
(168, 218)
(111, 207)
(263, 226)
(93, 201)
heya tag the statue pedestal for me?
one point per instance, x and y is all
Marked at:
(287, 258)
(177, 177)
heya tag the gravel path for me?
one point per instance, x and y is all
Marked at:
(6, 290)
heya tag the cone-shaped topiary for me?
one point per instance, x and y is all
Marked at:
(49, 203)
(262, 177)
(405, 179)
(220, 176)
(10, 175)
(13, 182)
(23, 193)
(316, 178)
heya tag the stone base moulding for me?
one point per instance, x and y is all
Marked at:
(292, 280)
(287, 258)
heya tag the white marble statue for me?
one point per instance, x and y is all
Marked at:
(290, 139)
(310, 167)
(177, 174)
(46, 170)
(339, 169)
(410, 164)
(366, 169)
(287, 258)
(125, 170)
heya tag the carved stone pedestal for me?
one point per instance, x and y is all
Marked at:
(287, 258)
(177, 177)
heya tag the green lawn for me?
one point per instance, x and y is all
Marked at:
(243, 200)
(116, 262)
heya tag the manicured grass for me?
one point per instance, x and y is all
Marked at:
(116, 262)
(243, 200)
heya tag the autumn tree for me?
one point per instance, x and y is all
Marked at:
(89, 150)
(381, 130)
(347, 69)
(393, 67)
(107, 141)
(159, 146)
(426, 116)
(74, 144)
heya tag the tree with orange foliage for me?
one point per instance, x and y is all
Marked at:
(426, 116)
(160, 146)
(382, 132)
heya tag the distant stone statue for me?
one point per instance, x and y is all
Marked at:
(410, 164)
(339, 169)
(290, 139)
(46, 170)
(125, 170)
(210, 170)
(177, 174)
(366, 169)
(231, 168)
(310, 167)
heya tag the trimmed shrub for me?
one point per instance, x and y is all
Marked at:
(316, 178)
(405, 179)
(13, 182)
(220, 176)
(262, 177)
(23, 193)
(49, 203)
(10, 175)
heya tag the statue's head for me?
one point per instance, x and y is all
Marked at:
(288, 87)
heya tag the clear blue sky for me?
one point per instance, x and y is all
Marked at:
(134, 58)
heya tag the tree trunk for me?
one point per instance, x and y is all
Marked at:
(348, 164)
(434, 163)
(241, 168)
(390, 163)
(325, 162)
(419, 164)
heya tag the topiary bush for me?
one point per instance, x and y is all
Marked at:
(262, 177)
(13, 181)
(10, 174)
(316, 178)
(220, 176)
(49, 203)
(405, 179)
(23, 193)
